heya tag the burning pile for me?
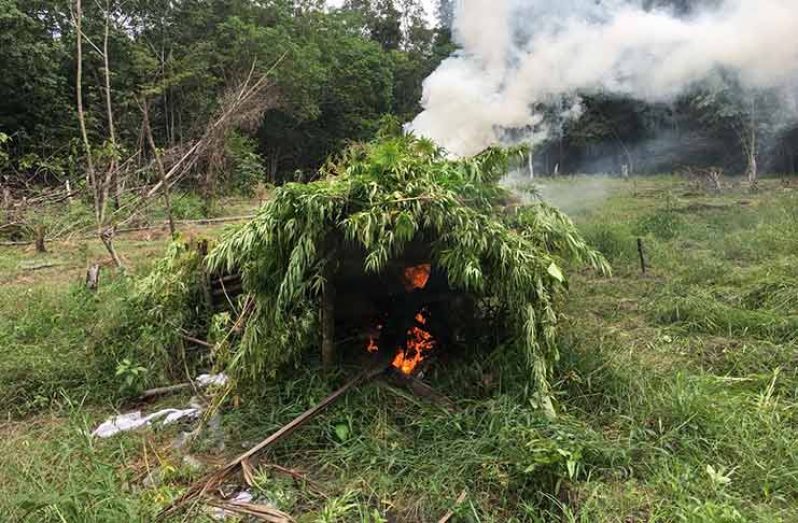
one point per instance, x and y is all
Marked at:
(395, 230)
(419, 343)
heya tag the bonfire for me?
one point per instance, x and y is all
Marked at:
(393, 251)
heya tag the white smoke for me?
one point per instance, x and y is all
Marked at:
(518, 54)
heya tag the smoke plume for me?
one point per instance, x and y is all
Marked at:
(518, 55)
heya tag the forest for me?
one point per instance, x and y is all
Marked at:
(334, 75)
(398, 261)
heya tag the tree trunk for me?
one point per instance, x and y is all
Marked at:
(752, 171)
(69, 197)
(40, 231)
(90, 174)
(107, 237)
(274, 163)
(159, 164)
(7, 206)
(113, 180)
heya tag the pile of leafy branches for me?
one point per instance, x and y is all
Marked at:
(381, 196)
(145, 324)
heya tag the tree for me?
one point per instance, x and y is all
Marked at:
(100, 185)
(725, 105)
(35, 96)
(339, 94)
(444, 10)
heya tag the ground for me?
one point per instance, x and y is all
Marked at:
(676, 389)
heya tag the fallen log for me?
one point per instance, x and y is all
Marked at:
(199, 489)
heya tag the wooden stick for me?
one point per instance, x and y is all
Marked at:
(457, 503)
(162, 391)
(417, 389)
(199, 489)
(196, 341)
(420, 388)
(260, 512)
(641, 251)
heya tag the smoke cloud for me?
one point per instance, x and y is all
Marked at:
(517, 55)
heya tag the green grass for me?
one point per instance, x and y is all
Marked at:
(692, 366)
(677, 394)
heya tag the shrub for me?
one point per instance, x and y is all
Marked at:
(146, 325)
(664, 224)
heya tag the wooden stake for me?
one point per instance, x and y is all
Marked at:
(93, 277)
(642, 253)
(40, 248)
(69, 195)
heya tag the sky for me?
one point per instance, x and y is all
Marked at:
(429, 6)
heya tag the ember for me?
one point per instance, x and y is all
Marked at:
(372, 346)
(417, 277)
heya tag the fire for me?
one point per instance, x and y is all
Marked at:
(417, 277)
(419, 343)
(372, 346)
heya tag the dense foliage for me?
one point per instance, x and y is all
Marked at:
(340, 70)
(380, 197)
(337, 76)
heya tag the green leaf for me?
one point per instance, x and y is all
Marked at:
(555, 272)
(342, 432)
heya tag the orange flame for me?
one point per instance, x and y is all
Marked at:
(417, 277)
(419, 342)
(372, 346)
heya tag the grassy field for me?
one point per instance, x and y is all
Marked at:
(677, 390)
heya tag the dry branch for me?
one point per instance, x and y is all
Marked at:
(239, 107)
(259, 512)
(449, 515)
(162, 391)
(200, 489)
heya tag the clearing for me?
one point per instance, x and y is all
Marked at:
(677, 390)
